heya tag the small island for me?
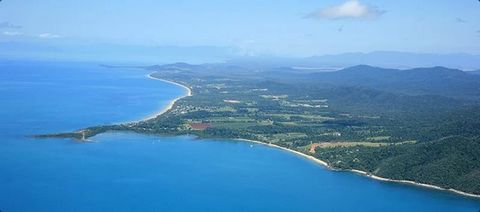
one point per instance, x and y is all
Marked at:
(359, 119)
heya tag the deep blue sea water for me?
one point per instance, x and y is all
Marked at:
(131, 172)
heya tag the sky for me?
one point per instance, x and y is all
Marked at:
(289, 28)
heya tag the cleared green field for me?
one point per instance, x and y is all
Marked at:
(352, 144)
(289, 123)
(230, 119)
(233, 125)
(224, 109)
(307, 117)
(287, 136)
(252, 110)
(379, 138)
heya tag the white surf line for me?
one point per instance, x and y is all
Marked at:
(363, 173)
(171, 103)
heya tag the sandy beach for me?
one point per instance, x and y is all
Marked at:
(325, 164)
(309, 157)
(414, 183)
(171, 103)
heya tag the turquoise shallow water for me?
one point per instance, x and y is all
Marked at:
(131, 172)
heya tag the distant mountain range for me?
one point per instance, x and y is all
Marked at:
(419, 81)
(387, 59)
(403, 60)
(438, 81)
(165, 54)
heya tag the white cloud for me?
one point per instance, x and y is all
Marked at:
(11, 33)
(351, 9)
(48, 36)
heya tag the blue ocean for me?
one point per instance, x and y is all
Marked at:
(132, 172)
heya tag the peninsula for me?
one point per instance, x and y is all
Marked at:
(360, 119)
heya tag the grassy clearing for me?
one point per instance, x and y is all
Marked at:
(233, 125)
(352, 144)
(289, 123)
(307, 117)
(287, 136)
(379, 138)
(224, 109)
(230, 119)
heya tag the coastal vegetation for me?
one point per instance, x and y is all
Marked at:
(420, 125)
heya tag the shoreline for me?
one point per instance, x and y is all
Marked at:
(306, 156)
(362, 173)
(409, 182)
(171, 103)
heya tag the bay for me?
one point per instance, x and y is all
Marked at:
(132, 172)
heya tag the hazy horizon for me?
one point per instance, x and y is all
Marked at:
(217, 30)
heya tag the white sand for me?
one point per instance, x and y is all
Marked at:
(325, 164)
(170, 105)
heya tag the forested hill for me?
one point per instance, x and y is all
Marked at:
(421, 81)
(448, 156)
